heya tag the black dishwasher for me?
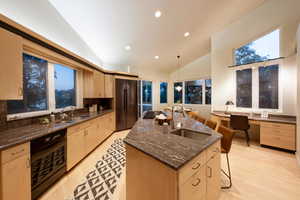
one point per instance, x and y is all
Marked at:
(48, 161)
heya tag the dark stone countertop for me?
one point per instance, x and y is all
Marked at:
(287, 119)
(15, 136)
(172, 150)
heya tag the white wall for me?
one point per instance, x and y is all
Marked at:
(42, 18)
(271, 15)
(298, 97)
(198, 69)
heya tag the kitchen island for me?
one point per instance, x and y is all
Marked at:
(172, 164)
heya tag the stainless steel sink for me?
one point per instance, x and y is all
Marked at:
(190, 134)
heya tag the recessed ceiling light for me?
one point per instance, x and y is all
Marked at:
(157, 14)
(187, 34)
(156, 57)
(127, 47)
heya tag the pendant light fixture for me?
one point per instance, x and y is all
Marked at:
(178, 88)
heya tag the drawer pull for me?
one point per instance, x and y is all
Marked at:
(216, 150)
(197, 183)
(196, 166)
(28, 163)
(210, 171)
(18, 152)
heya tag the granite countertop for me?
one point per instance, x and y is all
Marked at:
(172, 150)
(14, 136)
(257, 117)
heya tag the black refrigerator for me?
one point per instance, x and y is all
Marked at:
(126, 103)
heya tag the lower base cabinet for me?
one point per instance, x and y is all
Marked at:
(199, 179)
(83, 138)
(16, 173)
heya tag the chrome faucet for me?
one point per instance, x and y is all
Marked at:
(181, 111)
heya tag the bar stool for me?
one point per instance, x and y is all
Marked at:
(196, 116)
(211, 124)
(226, 142)
(241, 123)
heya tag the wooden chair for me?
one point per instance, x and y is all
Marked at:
(226, 142)
(211, 124)
(196, 116)
(240, 122)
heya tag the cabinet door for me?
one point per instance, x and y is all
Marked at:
(98, 84)
(88, 84)
(75, 148)
(109, 86)
(213, 177)
(11, 66)
(16, 179)
(91, 138)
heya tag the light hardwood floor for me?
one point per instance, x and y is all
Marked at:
(258, 173)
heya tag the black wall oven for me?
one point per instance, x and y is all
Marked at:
(48, 161)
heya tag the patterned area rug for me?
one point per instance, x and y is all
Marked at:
(101, 182)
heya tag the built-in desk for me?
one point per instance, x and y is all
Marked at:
(276, 130)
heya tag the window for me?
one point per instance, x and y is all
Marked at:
(64, 86)
(146, 95)
(268, 87)
(193, 92)
(34, 87)
(264, 48)
(163, 92)
(208, 91)
(244, 88)
(46, 88)
(178, 92)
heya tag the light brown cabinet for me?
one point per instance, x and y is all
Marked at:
(11, 66)
(199, 179)
(109, 86)
(83, 138)
(93, 84)
(16, 173)
(278, 135)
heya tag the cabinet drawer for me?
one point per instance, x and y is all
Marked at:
(79, 127)
(278, 141)
(212, 150)
(278, 126)
(195, 187)
(192, 167)
(289, 133)
(14, 152)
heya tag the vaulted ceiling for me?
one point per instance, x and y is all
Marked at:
(107, 26)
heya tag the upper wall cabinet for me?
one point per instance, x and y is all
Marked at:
(109, 86)
(11, 68)
(93, 84)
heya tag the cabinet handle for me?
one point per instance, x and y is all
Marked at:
(85, 132)
(216, 150)
(210, 171)
(28, 163)
(196, 166)
(197, 183)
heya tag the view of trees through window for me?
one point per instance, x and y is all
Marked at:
(34, 87)
(208, 91)
(268, 87)
(264, 48)
(178, 94)
(64, 79)
(193, 92)
(163, 92)
(244, 88)
(146, 95)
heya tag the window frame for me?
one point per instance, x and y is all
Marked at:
(183, 92)
(255, 87)
(51, 92)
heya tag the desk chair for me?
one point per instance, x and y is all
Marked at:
(226, 142)
(240, 122)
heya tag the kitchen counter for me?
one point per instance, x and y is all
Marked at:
(11, 137)
(172, 150)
